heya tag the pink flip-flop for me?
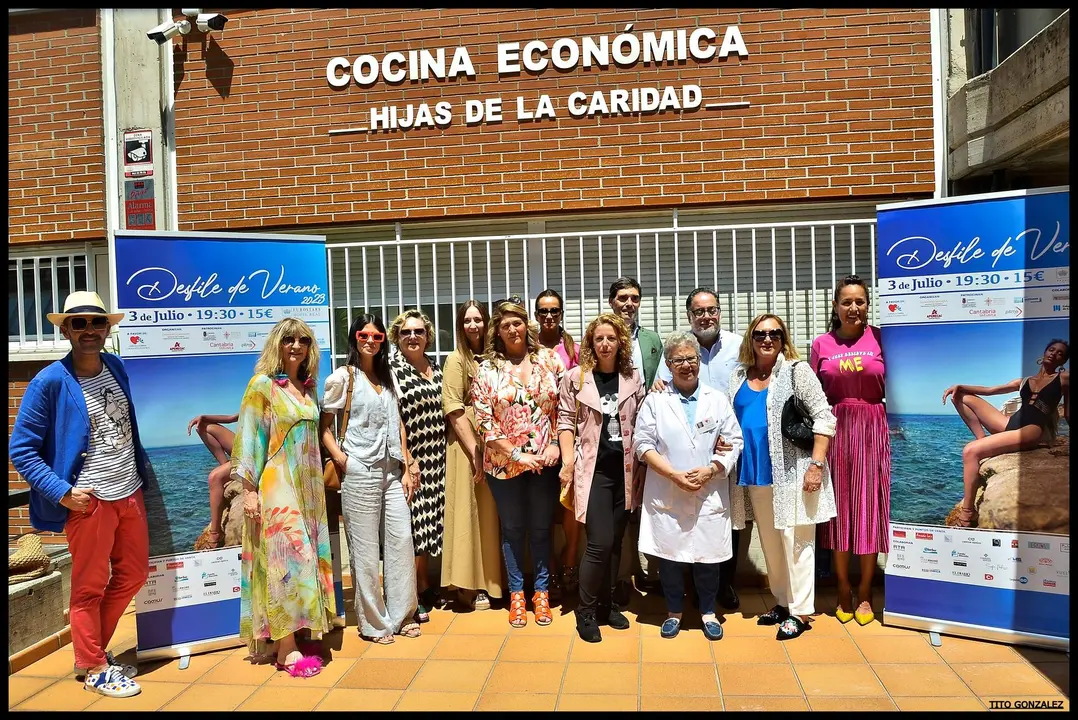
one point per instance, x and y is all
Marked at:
(307, 666)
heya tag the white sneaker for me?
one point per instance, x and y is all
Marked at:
(111, 682)
(110, 659)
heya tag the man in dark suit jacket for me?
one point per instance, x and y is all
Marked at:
(624, 299)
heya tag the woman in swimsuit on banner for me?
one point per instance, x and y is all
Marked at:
(1032, 425)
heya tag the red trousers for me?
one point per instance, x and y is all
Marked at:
(111, 537)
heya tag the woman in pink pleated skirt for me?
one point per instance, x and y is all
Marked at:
(849, 362)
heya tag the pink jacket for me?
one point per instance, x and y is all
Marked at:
(631, 394)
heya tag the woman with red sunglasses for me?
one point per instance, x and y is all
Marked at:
(378, 481)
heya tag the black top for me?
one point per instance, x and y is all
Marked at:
(610, 456)
(1037, 407)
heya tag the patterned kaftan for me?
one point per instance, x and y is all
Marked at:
(424, 428)
(286, 581)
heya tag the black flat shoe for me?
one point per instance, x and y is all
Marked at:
(791, 627)
(774, 616)
(612, 617)
(728, 598)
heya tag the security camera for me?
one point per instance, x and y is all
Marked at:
(191, 12)
(168, 30)
(210, 21)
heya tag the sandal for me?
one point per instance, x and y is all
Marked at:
(518, 617)
(384, 640)
(791, 627)
(541, 603)
(966, 517)
(306, 666)
(411, 630)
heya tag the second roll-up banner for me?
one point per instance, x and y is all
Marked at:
(197, 309)
(975, 305)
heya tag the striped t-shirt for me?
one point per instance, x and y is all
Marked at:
(110, 467)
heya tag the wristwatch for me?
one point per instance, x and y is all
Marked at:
(515, 455)
(817, 463)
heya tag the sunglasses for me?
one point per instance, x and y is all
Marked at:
(364, 336)
(761, 335)
(80, 323)
(290, 339)
(414, 332)
(548, 312)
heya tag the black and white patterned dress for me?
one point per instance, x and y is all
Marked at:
(424, 427)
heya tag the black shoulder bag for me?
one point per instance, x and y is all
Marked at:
(796, 418)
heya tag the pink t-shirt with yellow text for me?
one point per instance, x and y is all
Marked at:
(849, 369)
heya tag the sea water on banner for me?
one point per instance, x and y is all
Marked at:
(190, 599)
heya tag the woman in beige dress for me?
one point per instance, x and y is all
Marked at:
(471, 559)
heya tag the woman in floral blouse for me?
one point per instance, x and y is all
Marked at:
(516, 397)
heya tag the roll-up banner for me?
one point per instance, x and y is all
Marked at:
(974, 294)
(197, 309)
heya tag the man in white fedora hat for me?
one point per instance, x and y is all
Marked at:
(76, 443)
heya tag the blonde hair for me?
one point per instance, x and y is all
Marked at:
(588, 360)
(495, 348)
(271, 361)
(747, 356)
(398, 323)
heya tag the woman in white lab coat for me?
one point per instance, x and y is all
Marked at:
(686, 506)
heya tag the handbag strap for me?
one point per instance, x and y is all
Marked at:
(348, 402)
(576, 413)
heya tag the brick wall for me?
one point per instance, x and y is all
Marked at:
(56, 161)
(841, 107)
(19, 376)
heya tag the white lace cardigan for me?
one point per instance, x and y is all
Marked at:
(792, 505)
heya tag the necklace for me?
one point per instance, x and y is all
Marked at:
(763, 375)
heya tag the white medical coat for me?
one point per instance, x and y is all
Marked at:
(676, 524)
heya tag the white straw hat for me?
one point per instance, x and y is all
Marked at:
(83, 302)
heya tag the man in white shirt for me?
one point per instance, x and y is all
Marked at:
(719, 350)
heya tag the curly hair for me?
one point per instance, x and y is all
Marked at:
(747, 356)
(271, 361)
(398, 323)
(494, 347)
(624, 360)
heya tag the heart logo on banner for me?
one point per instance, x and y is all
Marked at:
(892, 307)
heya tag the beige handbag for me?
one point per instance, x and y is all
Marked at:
(567, 494)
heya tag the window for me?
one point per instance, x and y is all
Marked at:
(37, 286)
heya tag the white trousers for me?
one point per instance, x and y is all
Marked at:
(790, 555)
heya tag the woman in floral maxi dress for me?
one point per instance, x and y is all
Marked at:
(286, 583)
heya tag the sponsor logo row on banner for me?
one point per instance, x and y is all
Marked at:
(190, 579)
(975, 306)
(178, 340)
(1018, 561)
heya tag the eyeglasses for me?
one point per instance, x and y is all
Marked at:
(760, 335)
(79, 323)
(364, 336)
(289, 339)
(712, 311)
(548, 312)
(688, 360)
(414, 332)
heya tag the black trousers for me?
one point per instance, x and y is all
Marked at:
(605, 528)
(728, 568)
(705, 579)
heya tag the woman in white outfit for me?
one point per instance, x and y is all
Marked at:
(789, 487)
(379, 478)
(686, 505)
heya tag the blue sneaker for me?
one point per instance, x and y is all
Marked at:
(671, 627)
(712, 630)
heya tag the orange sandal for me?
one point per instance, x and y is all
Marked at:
(541, 603)
(518, 618)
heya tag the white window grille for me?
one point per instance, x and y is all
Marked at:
(37, 285)
(788, 268)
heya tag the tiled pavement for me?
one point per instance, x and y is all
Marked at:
(475, 661)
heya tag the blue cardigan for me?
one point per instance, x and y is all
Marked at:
(52, 436)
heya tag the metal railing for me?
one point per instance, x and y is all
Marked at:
(37, 285)
(789, 268)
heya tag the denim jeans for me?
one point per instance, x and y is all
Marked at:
(525, 508)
